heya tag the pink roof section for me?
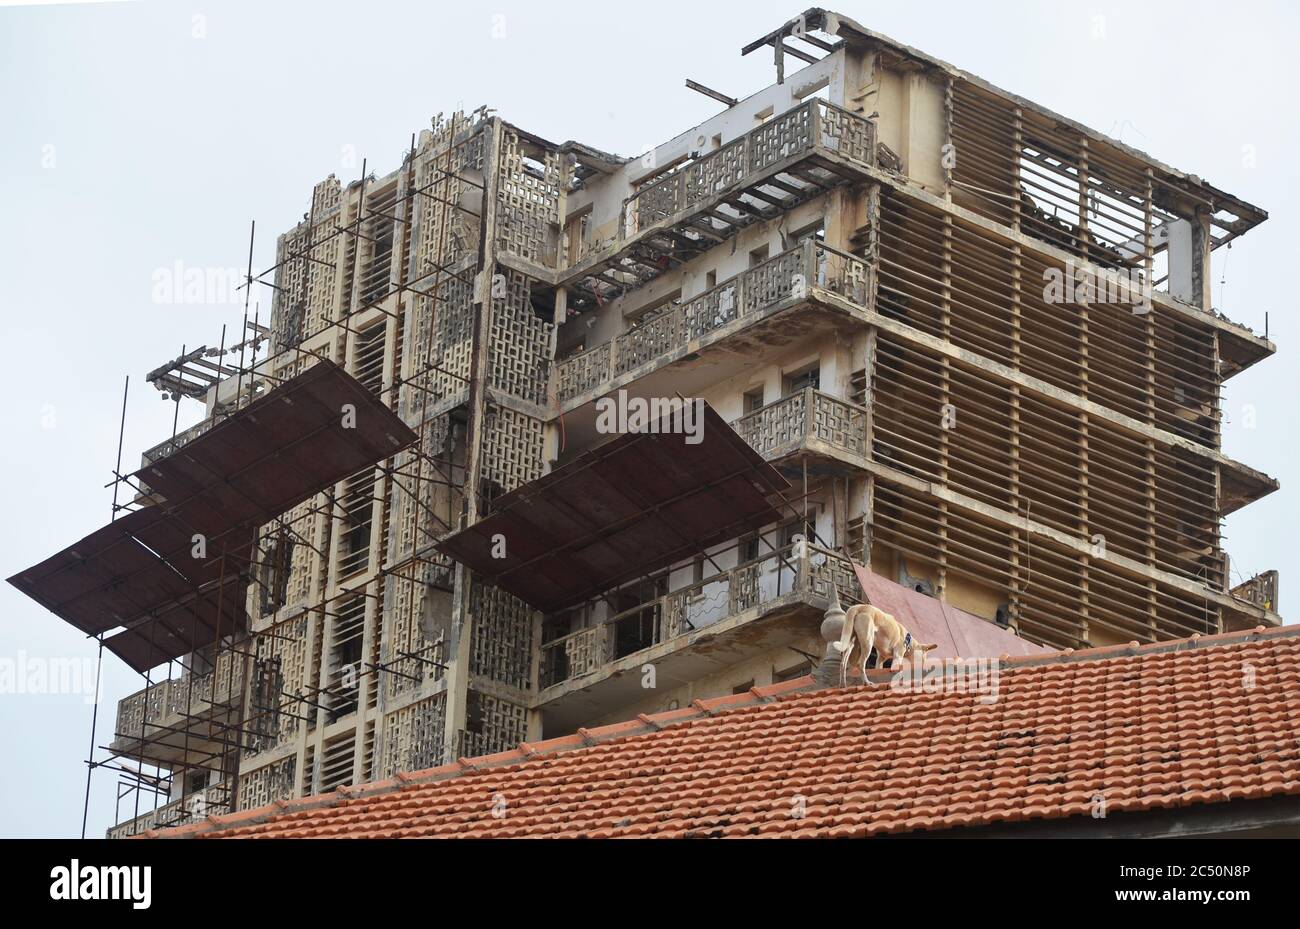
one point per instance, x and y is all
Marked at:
(959, 634)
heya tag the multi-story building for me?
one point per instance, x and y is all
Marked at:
(975, 337)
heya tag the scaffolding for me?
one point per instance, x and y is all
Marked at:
(384, 278)
(346, 281)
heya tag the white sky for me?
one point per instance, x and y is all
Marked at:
(137, 134)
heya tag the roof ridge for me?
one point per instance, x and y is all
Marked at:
(701, 709)
(1194, 641)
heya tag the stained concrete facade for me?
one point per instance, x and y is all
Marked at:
(854, 266)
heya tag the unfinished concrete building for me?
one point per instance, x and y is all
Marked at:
(967, 342)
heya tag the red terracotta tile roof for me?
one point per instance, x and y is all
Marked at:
(1194, 721)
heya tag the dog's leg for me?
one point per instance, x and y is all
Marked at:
(870, 643)
(867, 636)
(849, 639)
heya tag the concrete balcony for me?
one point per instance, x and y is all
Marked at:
(1254, 602)
(788, 160)
(163, 449)
(182, 721)
(191, 809)
(809, 427)
(716, 334)
(774, 600)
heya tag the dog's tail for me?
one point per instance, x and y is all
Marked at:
(845, 644)
(846, 635)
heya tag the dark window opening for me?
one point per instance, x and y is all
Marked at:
(637, 628)
(357, 506)
(809, 377)
(273, 589)
(543, 304)
(804, 527)
(815, 229)
(474, 714)
(347, 638)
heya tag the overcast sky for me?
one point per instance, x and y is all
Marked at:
(136, 135)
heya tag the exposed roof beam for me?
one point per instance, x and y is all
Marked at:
(813, 40)
(810, 19)
(800, 54)
(710, 92)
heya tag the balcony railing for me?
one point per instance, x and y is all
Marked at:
(169, 702)
(1260, 590)
(804, 415)
(207, 802)
(802, 130)
(810, 264)
(802, 569)
(163, 449)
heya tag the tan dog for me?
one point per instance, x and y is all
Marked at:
(867, 627)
